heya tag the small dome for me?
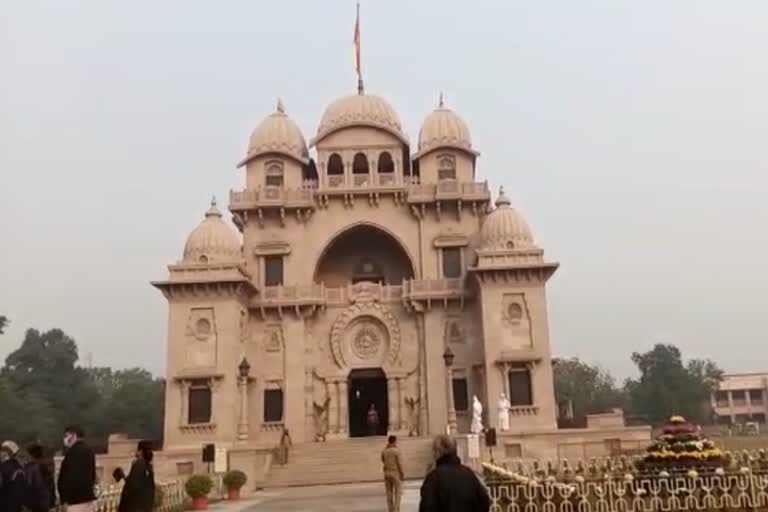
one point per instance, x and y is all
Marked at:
(443, 128)
(360, 110)
(212, 241)
(505, 228)
(277, 134)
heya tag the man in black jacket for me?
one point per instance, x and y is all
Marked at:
(452, 487)
(77, 475)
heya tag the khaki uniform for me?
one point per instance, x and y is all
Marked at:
(393, 477)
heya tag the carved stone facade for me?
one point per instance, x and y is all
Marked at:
(356, 266)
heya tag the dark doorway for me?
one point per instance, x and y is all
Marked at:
(367, 387)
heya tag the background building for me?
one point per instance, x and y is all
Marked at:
(741, 398)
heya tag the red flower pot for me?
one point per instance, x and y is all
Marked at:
(200, 503)
(233, 494)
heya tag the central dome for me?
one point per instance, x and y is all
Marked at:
(360, 110)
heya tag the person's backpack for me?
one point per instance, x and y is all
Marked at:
(36, 496)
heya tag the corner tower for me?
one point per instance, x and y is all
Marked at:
(511, 274)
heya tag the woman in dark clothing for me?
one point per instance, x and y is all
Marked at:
(139, 491)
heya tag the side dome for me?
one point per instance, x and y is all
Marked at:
(360, 110)
(278, 133)
(443, 128)
(212, 241)
(505, 228)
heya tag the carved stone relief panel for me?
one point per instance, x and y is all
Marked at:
(517, 322)
(273, 351)
(454, 331)
(201, 338)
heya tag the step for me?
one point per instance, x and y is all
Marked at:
(347, 461)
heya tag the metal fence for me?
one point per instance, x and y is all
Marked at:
(720, 489)
(170, 496)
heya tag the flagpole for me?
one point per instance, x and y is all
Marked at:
(358, 65)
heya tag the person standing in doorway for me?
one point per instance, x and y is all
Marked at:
(393, 474)
(373, 420)
(77, 475)
(451, 486)
(139, 490)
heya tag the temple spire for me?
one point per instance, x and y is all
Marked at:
(440, 102)
(280, 107)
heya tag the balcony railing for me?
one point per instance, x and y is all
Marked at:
(426, 289)
(449, 190)
(271, 197)
(320, 295)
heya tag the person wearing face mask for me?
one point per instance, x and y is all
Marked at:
(77, 475)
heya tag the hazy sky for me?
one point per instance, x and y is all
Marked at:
(632, 134)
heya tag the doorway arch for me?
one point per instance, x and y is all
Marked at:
(367, 389)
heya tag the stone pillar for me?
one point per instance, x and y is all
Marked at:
(504, 368)
(452, 426)
(392, 401)
(184, 412)
(242, 425)
(333, 407)
(400, 423)
(343, 407)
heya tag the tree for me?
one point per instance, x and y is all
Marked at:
(584, 388)
(43, 369)
(667, 386)
(3, 323)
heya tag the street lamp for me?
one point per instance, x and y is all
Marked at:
(448, 357)
(244, 371)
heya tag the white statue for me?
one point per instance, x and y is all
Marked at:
(503, 406)
(477, 416)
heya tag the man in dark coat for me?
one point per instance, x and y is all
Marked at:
(450, 486)
(77, 475)
(12, 481)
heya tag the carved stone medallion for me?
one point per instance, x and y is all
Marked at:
(365, 333)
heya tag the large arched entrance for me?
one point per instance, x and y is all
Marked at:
(363, 253)
(368, 397)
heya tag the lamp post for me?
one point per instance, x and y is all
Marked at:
(244, 373)
(448, 358)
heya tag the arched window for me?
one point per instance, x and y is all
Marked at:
(386, 165)
(360, 164)
(274, 174)
(335, 165)
(446, 167)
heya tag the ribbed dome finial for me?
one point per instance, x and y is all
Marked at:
(440, 102)
(213, 211)
(502, 199)
(280, 107)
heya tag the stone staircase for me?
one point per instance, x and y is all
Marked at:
(346, 461)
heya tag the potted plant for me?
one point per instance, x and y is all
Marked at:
(198, 487)
(234, 480)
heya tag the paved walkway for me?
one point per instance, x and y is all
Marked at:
(327, 498)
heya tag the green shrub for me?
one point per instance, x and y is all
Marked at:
(234, 479)
(198, 486)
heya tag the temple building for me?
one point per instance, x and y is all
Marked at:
(359, 273)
